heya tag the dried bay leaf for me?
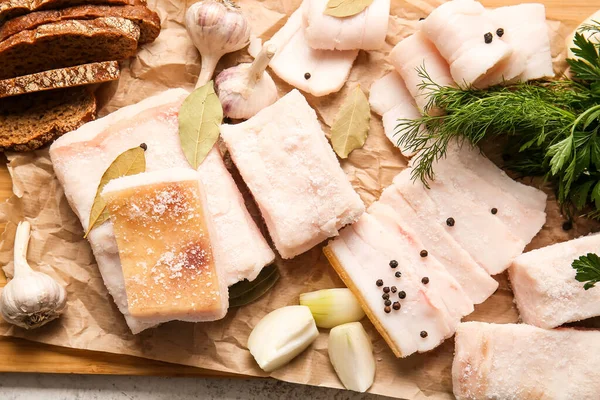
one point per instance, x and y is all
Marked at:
(130, 162)
(346, 8)
(351, 125)
(200, 117)
(246, 292)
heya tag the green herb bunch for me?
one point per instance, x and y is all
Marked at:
(552, 127)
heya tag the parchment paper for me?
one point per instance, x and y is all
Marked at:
(93, 322)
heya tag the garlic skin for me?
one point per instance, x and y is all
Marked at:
(351, 354)
(247, 88)
(217, 27)
(31, 299)
(332, 307)
(281, 335)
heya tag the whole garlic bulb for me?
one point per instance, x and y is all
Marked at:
(31, 299)
(247, 88)
(217, 27)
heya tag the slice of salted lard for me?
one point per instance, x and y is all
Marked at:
(361, 255)
(293, 174)
(519, 361)
(389, 98)
(474, 280)
(239, 246)
(524, 222)
(524, 28)
(163, 231)
(363, 31)
(472, 225)
(414, 55)
(318, 72)
(472, 158)
(546, 292)
(465, 37)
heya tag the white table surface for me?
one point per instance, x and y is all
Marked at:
(98, 387)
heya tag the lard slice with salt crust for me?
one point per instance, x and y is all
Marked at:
(546, 292)
(163, 231)
(523, 362)
(239, 245)
(361, 256)
(318, 72)
(293, 174)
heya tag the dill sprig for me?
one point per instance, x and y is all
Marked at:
(554, 126)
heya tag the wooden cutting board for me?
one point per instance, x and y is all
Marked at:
(23, 356)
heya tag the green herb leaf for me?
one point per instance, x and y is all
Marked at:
(588, 270)
(246, 292)
(351, 126)
(200, 117)
(130, 162)
(346, 8)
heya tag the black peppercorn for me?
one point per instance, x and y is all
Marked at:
(388, 303)
(423, 334)
(500, 32)
(307, 76)
(379, 282)
(144, 146)
(488, 37)
(386, 289)
(387, 309)
(450, 221)
(402, 294)
(394, 289)
(567, 225)
(396, 305)
(393, 263)
(385, 296)
(398, 274)
(424, 253)
(425, 280)
(494, 211)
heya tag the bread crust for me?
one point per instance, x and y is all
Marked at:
(146, 19)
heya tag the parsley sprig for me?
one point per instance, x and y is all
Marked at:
(588, 270)
(553, 127)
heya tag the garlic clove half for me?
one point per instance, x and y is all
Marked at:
(216, 27)
(351, 354)
(31, 299)
(247, 88)
(333, 307)
(281, 335)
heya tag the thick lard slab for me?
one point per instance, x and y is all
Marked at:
(544, 285)
(293, 174)
(523, 362)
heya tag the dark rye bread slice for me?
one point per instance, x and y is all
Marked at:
(33, 120)
(13, 8)
(146, 19)
(66, 44)
(79, 75)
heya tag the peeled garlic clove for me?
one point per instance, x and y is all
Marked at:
(332, 307)
(247, 88)
(281, 335)
(351, 354)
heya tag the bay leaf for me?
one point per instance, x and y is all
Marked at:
(351, 125)
(346, 8)
(246, 292)
(130, 162)
(200, 117)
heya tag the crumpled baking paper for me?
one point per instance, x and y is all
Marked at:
(93, 322)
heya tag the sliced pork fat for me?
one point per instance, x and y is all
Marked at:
(519, 361)
(363, 31)
(544, 285)
(293, 174)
